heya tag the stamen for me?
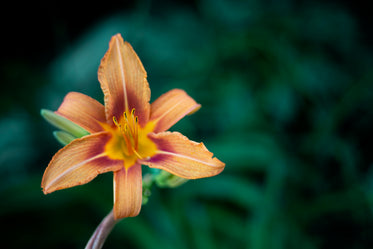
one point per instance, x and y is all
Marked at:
(136, 132)
(128, 145)
(128, 126)
(116, 121)
(137, 154)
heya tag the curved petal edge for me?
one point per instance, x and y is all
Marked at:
(78, 163)
(123, 80)
(83, 111)
(170, 107)
(183, 157)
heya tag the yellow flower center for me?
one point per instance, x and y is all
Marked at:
(129, 140)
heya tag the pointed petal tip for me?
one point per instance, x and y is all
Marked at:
(43, 188)
(195, 109)
(45, 192)
(117, 36)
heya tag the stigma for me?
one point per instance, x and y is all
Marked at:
(129, 128)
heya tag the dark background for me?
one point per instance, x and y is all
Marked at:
(286, 92)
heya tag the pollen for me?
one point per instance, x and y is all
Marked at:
(129, 128)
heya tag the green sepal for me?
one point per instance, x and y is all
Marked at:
(63, 137)
(63, 123)
(168, 180)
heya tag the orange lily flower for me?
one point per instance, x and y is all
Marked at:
(126, 133)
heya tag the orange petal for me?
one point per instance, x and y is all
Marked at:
(78, 163)
(170, 108)
(182, 157)
(127, 192)
(83, 110)
(123, 81)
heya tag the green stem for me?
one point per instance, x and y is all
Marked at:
(102, 231)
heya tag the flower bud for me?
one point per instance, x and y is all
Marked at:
(63, 123)
(63, 137)
(167, 180)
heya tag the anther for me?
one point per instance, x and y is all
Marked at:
(116, 121)
(128, 126)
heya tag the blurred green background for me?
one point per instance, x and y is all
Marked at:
(286, 92)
